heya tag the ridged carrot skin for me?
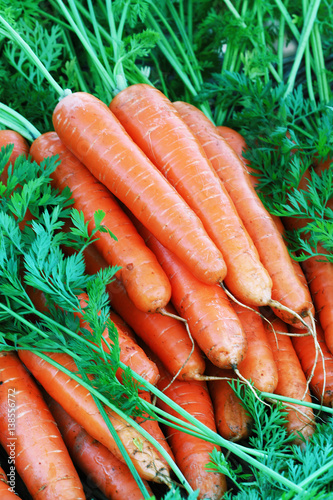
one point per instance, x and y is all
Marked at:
(321, 384)
(156, 126)
(6, 490)
(166, 336)
(78, 402)
(232, 420)
(143, 278)
(271, 247)
(212, 321)
(192, 453)
(41, 457)
(94, 135)
(292, 381)
(258, 365)
(99, 465)
(21, 147)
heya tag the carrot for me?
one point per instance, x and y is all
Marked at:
(143, 278)
(292, 381)
(321, 167)
(155, 125)
(6, 490)
(232, 420)
(21, 147)
(192, 453)
(32, 440)
(212, 322)
(99, 465)
(258, 365)
(319, 370)
(166, 336)
(94, 135)
(287, 289)
(78, 402)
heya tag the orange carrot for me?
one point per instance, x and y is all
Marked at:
(21, 147)
(143, 278)
(192, 453)
(258, 365)
(212, 321)
(318, 369)
(292, 381)
(94, 135)
(31, 438)
(155, 125)
(232, 420)
(166, 336)
(130, 353)
(287, 289)
(78, 402)
(99, 465)
(6, 490)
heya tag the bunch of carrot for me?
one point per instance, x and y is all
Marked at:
(205, 282)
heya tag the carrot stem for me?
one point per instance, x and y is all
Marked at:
(15, 121)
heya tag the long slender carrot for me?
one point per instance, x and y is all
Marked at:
(143, 278)
(21, 147)
(94, 135)
(30, 436)
(317, 366)
(232, 420)
(258, 365)
(292, 381)
(192, 453)
(78, 402)
(155, 125)
(6, 490)
(166, 336)
(287, 289)
(212, 321)
(99, 465)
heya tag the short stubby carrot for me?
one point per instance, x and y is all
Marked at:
(6, 490)
(287, 289)
(79, 403)
(317, 366)
(142, 276)
(192, 453)
(21, 147)
(40, 455)
(100, 466)
(233, 422)
(88, 128)
(212, 321)
(156, 126)
(131, 354)
(292, 381)
(258, 365)
(164, 334)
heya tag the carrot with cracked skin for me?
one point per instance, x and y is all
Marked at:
(156, 126)
(21, 147)
(292, 381)
(52, 474)
(232, 420)
(140, 272)
(212, 321)
(79, 403)
(88, 128)
(192, 453)
(100, 466)
(6, 490)
(258, 365)
(165, 335)
(287, 289)
(317, 366)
